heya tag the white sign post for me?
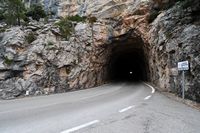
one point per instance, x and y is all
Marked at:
(183, 66)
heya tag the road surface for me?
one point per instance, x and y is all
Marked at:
(111, 108)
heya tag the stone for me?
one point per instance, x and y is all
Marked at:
(2, 66)
(3, 75)
(13, 36)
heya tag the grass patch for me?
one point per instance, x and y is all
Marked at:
(30, 38)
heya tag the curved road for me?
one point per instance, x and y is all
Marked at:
(111, 108)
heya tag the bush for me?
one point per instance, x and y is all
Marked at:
(2, 17)
(30, 38)
(12, 11)
(8, 61)
(66, 27)
(77, 18)
(2, 30)
(36, 11)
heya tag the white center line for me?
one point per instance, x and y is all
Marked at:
(125, 109)
(80, 127)
(153, 90)
(146, 98)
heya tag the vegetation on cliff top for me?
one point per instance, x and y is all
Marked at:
(36, 12)
(13, 12)
(67, 24)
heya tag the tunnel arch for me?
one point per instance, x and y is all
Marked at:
(128, 60)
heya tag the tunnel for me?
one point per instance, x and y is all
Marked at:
(128, 61)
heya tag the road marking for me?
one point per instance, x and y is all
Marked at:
(80, 127)
(146, 98)
(125, 109)
(153, 90)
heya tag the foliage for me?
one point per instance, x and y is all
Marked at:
(36, 11)
(66, 27)
(13, 11)
(2, 17)
(3, 30)
(67, 24)
(186, 3)
(8, 61)
(77, 18)
(30, 38)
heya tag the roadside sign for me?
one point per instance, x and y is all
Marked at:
(183, 66)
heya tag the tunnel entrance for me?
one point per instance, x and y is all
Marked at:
(127, 60)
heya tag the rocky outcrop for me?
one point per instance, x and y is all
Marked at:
(49, 64)
(169, 32)
(174, 37)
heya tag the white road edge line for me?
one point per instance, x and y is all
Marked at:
(80, 127)
(146, 98)
(153, 90)
(125, 109)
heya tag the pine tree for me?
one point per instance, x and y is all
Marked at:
(13, 11)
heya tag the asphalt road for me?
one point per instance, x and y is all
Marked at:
(111, 108)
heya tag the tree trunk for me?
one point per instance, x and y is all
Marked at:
(92, 34)
(18, 21)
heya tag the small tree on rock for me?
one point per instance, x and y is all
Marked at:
(36, 11)
(13, 11)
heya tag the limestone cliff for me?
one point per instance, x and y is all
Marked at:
(169, 32)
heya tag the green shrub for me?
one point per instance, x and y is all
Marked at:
(2, 30)
(2, 17)
(36, 11)
(66, 27)
(77, 18)
(186, 3)
(30, 38)
(8, 61)
(12, 11)
(67, 24)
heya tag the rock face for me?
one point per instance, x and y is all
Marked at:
(174, 37)
(49, 64)
(168, 32)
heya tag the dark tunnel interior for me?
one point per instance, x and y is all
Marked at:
(127, 63)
